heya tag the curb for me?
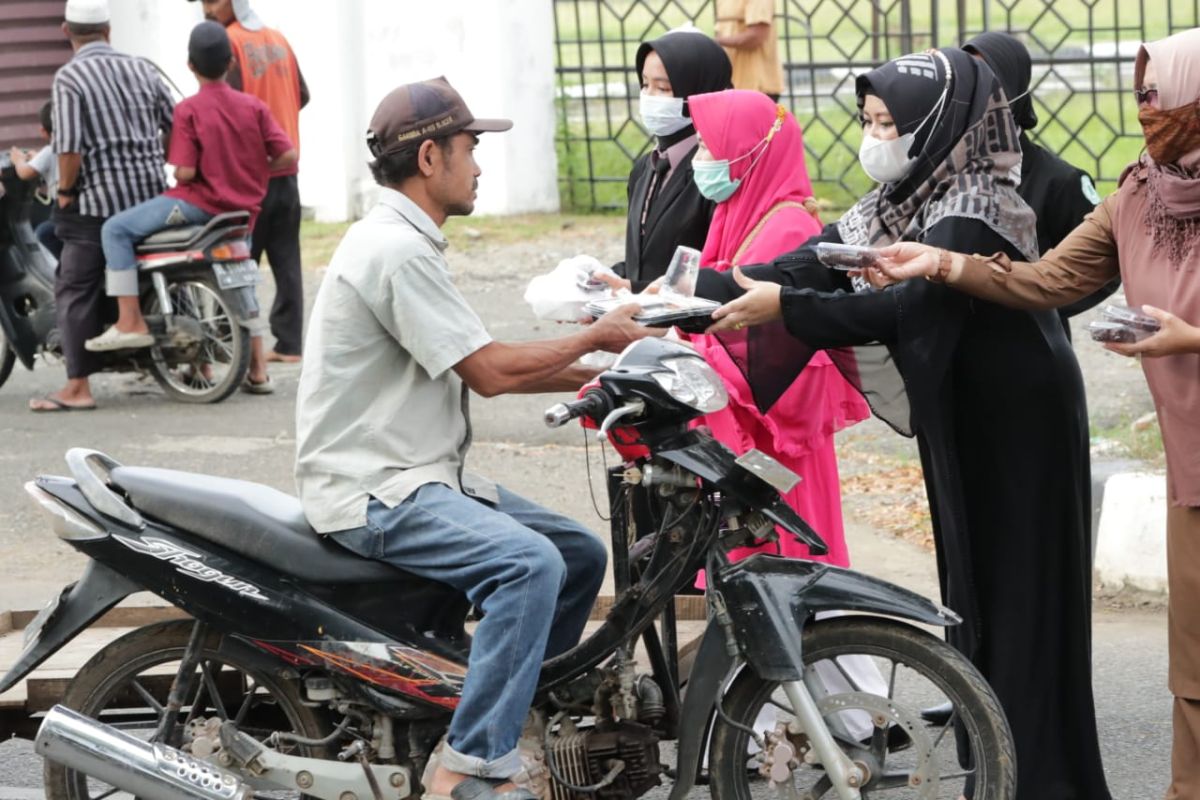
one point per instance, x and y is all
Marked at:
(1131, 535)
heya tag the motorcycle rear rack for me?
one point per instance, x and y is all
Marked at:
(95, 488)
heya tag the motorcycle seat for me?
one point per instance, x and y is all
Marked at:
(256, 521)
(185, 237)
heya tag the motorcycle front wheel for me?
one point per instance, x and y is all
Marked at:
(126, 685)
(870, 678)
(211, 362)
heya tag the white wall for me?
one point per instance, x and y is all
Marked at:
(500, 56)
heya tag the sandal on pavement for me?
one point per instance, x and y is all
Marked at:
(258, 387)
(56, 405)
(113, 339)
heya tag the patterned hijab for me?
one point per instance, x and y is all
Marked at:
(1173, 213)
(968, 154)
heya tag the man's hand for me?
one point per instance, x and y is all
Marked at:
(759, 304)
(616, 330)
(904, 260)
(614, 281)
(1176, 337)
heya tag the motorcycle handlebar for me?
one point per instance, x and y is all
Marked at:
(593, 404)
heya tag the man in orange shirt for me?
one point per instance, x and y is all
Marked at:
(265, 66)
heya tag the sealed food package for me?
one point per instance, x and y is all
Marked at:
(1134, 319)
(661, 310)
(846, 256)
(1123, 325)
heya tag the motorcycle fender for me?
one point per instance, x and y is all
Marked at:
(76, 607)
(717, 465)
(770, 599)
(713, 663)
(18, 280)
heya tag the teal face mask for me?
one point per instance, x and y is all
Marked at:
(712, 177)
(713, 181)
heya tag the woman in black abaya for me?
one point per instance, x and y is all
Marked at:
(666, 209)
(993, 395)
(1060, 194)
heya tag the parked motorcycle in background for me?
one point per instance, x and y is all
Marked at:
(197, 286)
(308, 671)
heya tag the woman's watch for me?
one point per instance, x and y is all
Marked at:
(69, 192)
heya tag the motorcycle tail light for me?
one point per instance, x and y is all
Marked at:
(230, 251)
(66, 522)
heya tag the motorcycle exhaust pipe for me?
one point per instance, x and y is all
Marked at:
(129, 764)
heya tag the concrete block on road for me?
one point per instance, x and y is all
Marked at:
(1132, 547)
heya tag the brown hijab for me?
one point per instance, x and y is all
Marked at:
(1157, 230)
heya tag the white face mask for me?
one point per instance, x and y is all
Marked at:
(886, 160)
(662, 116)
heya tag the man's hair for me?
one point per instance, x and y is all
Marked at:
(393, 168)
(46, 116)
(80, 30)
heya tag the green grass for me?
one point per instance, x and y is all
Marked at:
(1144, 444)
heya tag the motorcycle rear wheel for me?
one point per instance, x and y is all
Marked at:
(919, 670)
(219, 364)
(126, 685)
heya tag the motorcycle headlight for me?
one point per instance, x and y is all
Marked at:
(693, 382)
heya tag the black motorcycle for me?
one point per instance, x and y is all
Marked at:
(197, 292)
(307, 671)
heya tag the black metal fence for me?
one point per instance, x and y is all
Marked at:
(1083, 53)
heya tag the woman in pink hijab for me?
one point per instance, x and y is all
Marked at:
(751, 162)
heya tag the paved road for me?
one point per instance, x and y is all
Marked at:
(252, 438)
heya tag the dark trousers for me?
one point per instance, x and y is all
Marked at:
(79, 289)
(277, 232)
(45, 234)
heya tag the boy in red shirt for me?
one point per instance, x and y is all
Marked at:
(224, 146)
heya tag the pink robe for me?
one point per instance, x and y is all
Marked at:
(798, 430)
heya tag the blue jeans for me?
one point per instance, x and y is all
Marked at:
(123, 230)
(535, 575)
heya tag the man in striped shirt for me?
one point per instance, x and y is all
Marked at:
(111, 116)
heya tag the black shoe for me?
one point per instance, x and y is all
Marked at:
(897, 739)
(938, 715)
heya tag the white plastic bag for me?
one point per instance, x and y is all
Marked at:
(559, 296)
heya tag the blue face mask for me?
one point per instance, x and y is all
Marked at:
(713, 181)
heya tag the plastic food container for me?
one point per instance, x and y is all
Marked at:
(1123, 333)
(846, 256)
(1134, 319)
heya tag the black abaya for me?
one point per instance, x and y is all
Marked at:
(998, 407)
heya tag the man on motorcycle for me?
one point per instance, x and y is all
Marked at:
(223, 147)
(383, 430)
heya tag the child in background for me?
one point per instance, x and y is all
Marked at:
(43, 167)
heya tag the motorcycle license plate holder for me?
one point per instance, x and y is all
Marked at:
(33, 630)
(236, 274)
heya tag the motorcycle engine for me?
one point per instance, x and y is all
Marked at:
(584, 758)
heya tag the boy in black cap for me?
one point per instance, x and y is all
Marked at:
(223, 146)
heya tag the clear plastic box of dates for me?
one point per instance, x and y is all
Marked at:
(1123, 325)
(846, 256)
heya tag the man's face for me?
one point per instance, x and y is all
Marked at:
(456, 177)
(218, 10)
